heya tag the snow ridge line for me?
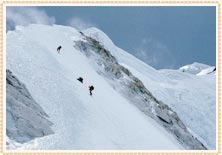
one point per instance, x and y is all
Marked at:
(136, 93)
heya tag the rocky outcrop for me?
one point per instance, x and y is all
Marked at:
(25, 119)
(134, 90)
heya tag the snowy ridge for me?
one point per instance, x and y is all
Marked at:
(134, 90)
(191, 97)
(97, 122)
(196, 68)
(97, 34)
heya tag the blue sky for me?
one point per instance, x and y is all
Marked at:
(163, 37)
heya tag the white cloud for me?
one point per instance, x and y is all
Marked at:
(79, 23)
(25, 15)
(155, 53)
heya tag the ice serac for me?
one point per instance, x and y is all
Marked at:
(25, 119)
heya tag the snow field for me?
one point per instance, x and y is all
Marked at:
(104, 121)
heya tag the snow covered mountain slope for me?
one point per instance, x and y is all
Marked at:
(191, 97)
(135, 91)
(104, 121)
(126, 91)
(209, 70)
(26, 120)
(194, 68)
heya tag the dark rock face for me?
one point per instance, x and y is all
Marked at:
(134, 90)
(25, 119)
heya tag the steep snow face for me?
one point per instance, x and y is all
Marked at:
(103, 121)
(192, 97)
(136, 93)
(25, 119)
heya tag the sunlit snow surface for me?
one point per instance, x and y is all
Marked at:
(192, 97)
(106, 120)
(194, 68)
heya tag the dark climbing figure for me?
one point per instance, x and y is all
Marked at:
(80, 79)
(59, 48)
(91, 88)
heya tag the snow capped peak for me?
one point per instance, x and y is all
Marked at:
(123, 57)
(100, 36)
(94, 30)
(194, 68)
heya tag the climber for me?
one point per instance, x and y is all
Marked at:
(91, 88)
(59, 48)
(80, 79)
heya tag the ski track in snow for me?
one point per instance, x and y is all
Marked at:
(104, 121)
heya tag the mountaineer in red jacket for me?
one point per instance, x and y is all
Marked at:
(91, 88)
